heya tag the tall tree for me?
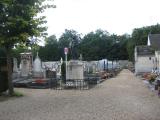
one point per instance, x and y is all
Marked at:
(66, 38)
(95, 45)
(18, 23)
(100, 44)
(50, 52)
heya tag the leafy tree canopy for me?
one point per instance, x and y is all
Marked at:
(19, 21)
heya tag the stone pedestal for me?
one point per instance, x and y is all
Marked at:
(38, 75)
(75, 70)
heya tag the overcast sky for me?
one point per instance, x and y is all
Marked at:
(115, 16)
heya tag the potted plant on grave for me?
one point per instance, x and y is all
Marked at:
(151, 78)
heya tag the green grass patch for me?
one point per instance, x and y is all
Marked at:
(17, 94)
(5, 96)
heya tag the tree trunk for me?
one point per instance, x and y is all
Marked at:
(9, 70)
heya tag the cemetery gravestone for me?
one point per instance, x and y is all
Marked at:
(75, 70)
(37, 68)
(15, 67)
(26, 64)
(16, 72)
(50, 74)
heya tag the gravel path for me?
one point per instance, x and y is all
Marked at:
(122, 98)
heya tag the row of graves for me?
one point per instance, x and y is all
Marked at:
(87, 74)
(152, 80)
(35, 74)
(147, 62)
(79, 74)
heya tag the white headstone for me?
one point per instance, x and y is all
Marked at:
(75, 70)
(60, 70)
(148, 42)
(37, 66)
(26, 64)
(15, 68)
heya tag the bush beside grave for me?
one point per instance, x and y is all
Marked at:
(63, 68)
(3, 81)
(150, 77)
(3, 72)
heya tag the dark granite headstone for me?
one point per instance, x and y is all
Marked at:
(50, 74)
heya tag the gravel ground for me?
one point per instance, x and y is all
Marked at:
(122, 98)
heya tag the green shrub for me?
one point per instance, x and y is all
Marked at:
(3, 81)
(63, 68)
(3, 74)
(17, 94)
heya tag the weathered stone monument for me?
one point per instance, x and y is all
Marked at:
(90, 67)
(26, 64)
(94, 66)
(16, 72)
(50, 69)
(15, 65)
(59, 70)
(37, 68)
(75, 70)
(74, 66)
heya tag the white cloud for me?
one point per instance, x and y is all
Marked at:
(115, 16)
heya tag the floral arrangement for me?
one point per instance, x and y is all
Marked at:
(151, 77)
